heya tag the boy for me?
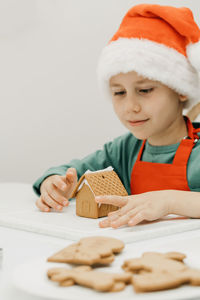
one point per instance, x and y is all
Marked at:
(150, 69)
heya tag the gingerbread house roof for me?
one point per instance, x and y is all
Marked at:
(103, 182)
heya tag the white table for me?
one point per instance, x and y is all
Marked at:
(21, 246)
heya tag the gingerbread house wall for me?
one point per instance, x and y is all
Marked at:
(85, 203)
(104, 209)
(87, 207)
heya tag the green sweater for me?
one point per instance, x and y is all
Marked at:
(121, 154)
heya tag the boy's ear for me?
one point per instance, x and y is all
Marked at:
(182, 98)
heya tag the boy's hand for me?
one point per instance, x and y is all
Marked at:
(56, 190)
(135, 209)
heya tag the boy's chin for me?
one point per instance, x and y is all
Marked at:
(139, 136)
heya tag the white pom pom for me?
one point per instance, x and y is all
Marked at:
(193, 53)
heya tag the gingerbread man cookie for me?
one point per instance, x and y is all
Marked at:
(86, 276)
(89, 251)
(157, 271)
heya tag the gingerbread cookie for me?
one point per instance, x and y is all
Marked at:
(86, 276)
(157, 271)
(89, 251)
(156, 262)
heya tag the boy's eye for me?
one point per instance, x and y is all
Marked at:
(119, 93)
(146, 91)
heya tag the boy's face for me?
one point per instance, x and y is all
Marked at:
(149, 109)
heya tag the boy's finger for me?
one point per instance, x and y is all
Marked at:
(51, 202)
(105, 223)
(114, 200)
(123, 217)
(71, 176)
(60, 183)
(123, 220)
(112, 213)
(110, 219)
(40, 204)
(71, 181)
(56, 195)
(138, 218)
(129, 207)
(114, 217)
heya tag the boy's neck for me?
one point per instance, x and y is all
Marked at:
(174, 134)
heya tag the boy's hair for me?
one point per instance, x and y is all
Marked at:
(161, 43)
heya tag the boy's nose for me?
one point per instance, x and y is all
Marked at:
(132, 104)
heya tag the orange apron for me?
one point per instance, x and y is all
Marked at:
(148, 176)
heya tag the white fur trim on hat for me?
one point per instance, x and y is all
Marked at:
(151, 60)
(193, 53)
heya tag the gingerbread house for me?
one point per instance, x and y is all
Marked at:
(91, 184)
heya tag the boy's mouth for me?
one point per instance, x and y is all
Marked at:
(137, 122)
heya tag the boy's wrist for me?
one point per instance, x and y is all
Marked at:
(177, 202)
(43, 182)
(171, 203)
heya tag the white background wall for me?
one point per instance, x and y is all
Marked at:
(51, 110)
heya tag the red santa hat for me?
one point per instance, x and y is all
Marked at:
(161, 43)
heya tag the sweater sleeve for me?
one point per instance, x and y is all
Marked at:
(112, 154)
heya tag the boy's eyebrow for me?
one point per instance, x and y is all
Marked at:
(143, 81)
(115, 85)
(140, 81)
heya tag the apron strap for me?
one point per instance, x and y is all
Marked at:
(141, 151)
(183, 152)
(185, 148)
